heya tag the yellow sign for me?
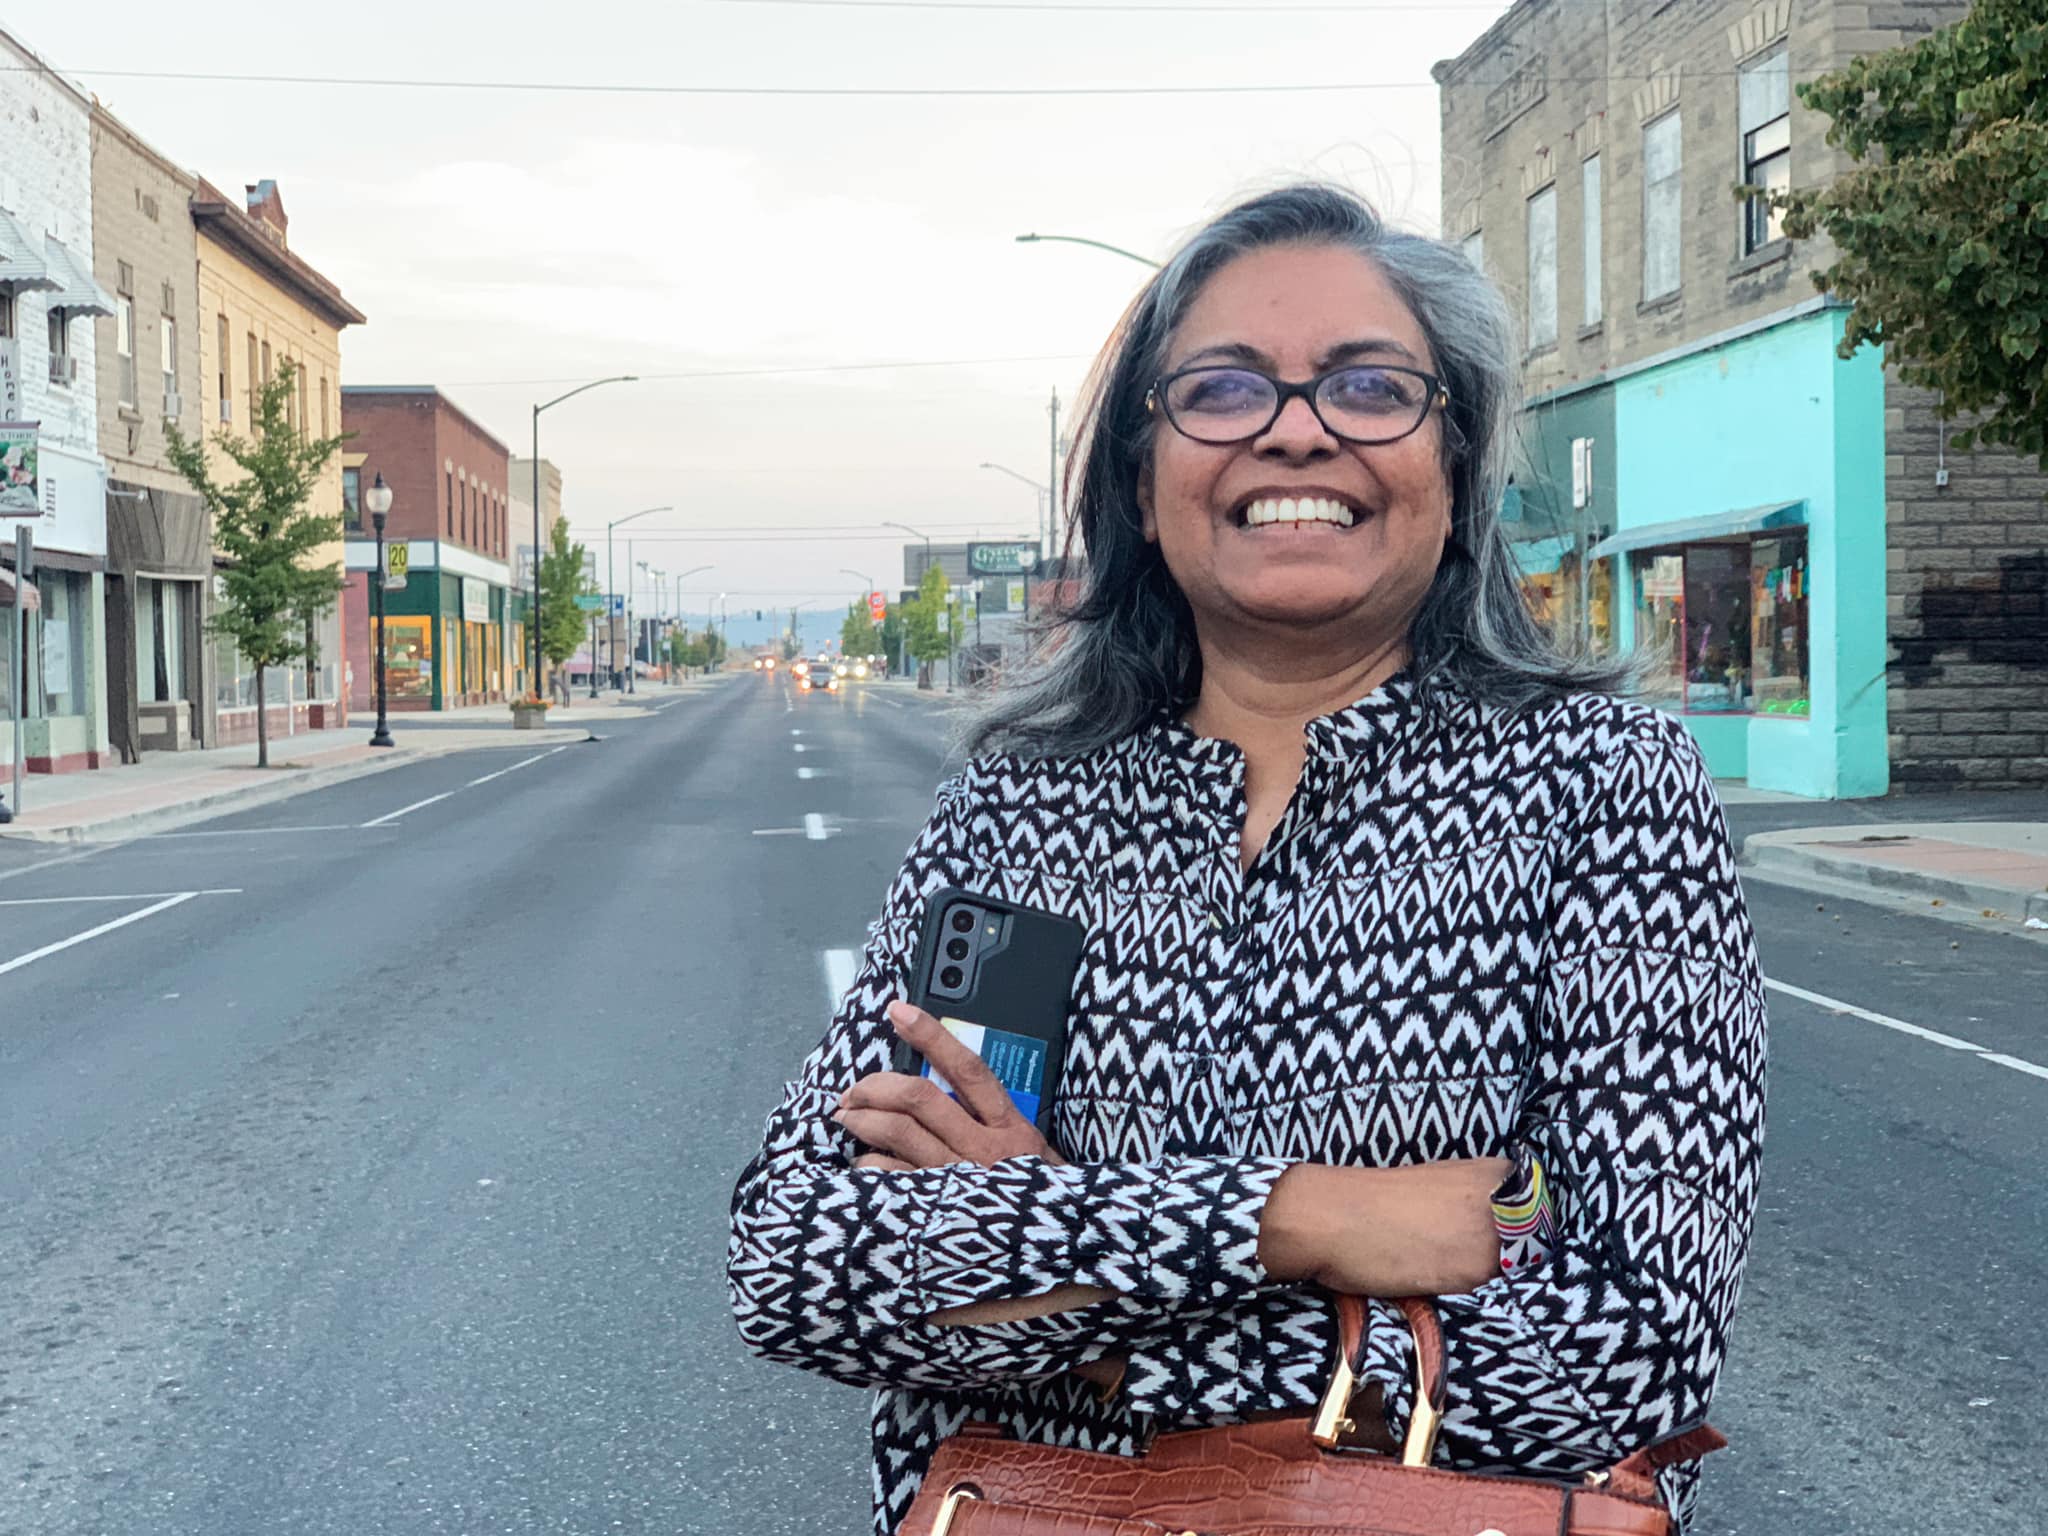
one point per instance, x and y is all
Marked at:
(397, 561)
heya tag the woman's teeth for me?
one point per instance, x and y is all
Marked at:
(1313, 509)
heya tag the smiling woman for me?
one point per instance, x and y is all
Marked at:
(1415, 962)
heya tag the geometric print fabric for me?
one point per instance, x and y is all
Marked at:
(1472, 931)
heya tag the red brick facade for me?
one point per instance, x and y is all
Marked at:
(448, 476)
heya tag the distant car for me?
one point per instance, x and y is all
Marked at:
(860, 670)
(841, 669)
(800, 668)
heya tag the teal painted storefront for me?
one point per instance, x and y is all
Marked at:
(429, 647)
(1764, 432)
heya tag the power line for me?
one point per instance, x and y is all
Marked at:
(750, 373)
(1085, 6)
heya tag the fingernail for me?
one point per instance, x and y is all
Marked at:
(901, 1013)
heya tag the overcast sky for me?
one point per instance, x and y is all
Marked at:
(508, 244)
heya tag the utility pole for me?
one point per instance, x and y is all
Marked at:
(1052, 479)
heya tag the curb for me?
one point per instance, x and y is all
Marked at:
(1761, 852)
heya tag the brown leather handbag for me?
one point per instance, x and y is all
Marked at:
(1286, 1476)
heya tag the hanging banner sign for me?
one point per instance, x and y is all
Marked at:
(476, 601)
(10, 378)
(20, 477)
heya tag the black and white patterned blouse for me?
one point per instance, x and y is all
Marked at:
(1471, 934)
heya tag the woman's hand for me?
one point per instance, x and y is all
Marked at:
(1426, 1230)
(912, 1122)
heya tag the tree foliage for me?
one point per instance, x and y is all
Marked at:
(859, 635)
(1940, 228)
(921, 617)
(264, 525)
(563, 625)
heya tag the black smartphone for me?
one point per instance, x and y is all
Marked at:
(1000, 977)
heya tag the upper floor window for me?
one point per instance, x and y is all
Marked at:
(352, 497)
(1474, 248)
(6, 311)
(1543, 268)
(1764, 101)
(1663, 206)
(167, 347)
(1589, 239)
(124, 345)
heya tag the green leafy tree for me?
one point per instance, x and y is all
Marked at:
(686, 651)
(563, 624)
(262, 522)
(927, 641)
(859, 635)
(892, 634)
(1940, 227)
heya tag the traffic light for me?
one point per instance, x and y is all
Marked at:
(757, 616)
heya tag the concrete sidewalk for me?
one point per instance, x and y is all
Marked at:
(170, 789)
(1996, 869)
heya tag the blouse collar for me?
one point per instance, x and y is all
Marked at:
(1359, 731)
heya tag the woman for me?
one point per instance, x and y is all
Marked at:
(1416, 961)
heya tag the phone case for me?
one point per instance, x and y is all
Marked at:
(1024, 988)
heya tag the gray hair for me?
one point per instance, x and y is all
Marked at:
(1127, 651)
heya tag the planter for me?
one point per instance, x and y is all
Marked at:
(529, 719)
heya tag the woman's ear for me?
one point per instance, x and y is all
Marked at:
(1148, 518)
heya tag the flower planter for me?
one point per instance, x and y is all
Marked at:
(529, 719)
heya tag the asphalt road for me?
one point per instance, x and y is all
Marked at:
(371, 1175)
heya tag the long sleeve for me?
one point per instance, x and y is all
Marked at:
(838, 1270)
(1646, 1106)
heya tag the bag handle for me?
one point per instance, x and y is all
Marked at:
(1333, 1419)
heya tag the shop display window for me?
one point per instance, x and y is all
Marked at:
(1781, 684)
(1717, 615)
(409, 658)
(1660, 598)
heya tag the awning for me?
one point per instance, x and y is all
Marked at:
(1539, 557)
(21, 259)
(8, 585)
(1695, 530)
(76, 290)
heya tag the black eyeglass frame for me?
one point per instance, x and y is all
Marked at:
(1438, 397)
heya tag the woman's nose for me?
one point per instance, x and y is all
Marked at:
(1297, 432)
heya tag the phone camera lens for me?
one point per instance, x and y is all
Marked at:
(963, 921)
(956, 949)
(952, 977)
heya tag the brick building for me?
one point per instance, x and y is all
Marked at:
(160, 667)
(1832, 601)
(451, 636)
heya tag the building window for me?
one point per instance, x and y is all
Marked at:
(1765, 102)
(167, 347)
(1725, 626)
(1780, 677)
(254, 378)
(352, 497)
(409, 657)
(6, 312)
(1662, 207)
(1589, 237)
(1543, 268)
(60, 348)
(1473, 247)
(224, 379)
(124, 345)
(325, 429)
(448, 526)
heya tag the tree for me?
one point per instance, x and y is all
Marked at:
(270, 590)
(1940, 227)
(858, 634)
(686, 652)
(927, 642)
(561, 582)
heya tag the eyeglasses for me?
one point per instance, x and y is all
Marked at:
(1364, 403)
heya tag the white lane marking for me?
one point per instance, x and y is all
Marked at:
(778, 831)
(69, 858)
(407, 810)
(1931, 1036)
(796, 730)
(551, 751)
(810, 773)
(840, 968)
(157, 837)
(1820, 1000)
(797, 746)
(814, 826)
(58, 901)
(92, 933)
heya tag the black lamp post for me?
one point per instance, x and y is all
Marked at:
(378, 499)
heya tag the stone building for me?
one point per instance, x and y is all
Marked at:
(1832, 601)
(159, 538)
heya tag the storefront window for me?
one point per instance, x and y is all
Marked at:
(1660, 592)
(409, 658)
(473, 672)
(62, 636)
(1716, 628)
(1777, 597)
(234, 679)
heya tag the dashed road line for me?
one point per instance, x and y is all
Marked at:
(841, 966)
(810, 773)
(406, 810)
(1917, 1031)
(814, 826)
(514, 768)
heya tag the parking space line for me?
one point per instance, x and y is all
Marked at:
(92, 933)
(406, 810)
(1918, 1032)
(514, 768)
(58, 901)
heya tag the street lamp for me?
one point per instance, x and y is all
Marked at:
(610, 635)
(902, 629)
(622, 378)
(1100, 245)
(1039, 502)
(378, 500)
(681, 577)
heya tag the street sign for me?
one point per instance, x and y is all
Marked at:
(1011, 559)
(878, 606)
(397, 561)
(618, 605)
(945, 620)
(592, 602)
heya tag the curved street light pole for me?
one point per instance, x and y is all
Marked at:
(902, 630)
(1100, 245)
(619, 378)
(610, 635)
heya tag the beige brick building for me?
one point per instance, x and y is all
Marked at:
(1834, 601)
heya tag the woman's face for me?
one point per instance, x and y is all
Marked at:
(1295, 312)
